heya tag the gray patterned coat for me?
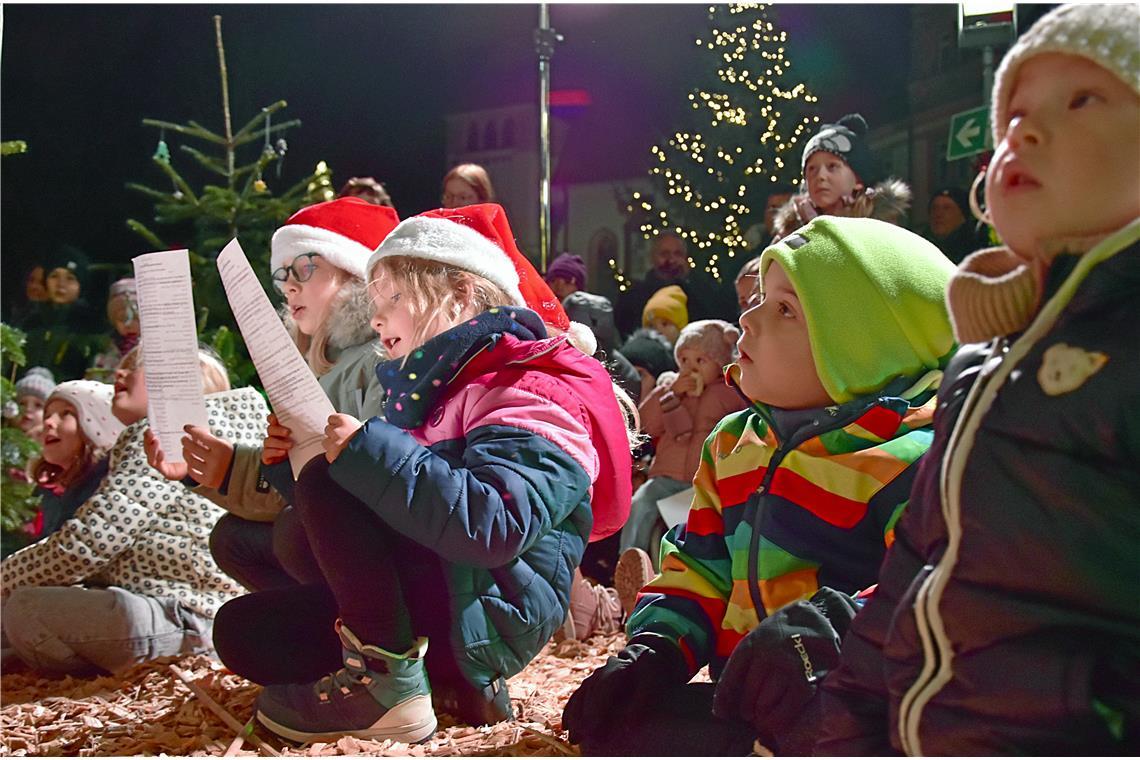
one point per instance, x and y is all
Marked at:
(140, 531)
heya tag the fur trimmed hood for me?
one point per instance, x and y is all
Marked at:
(349, 317)
(887, 201)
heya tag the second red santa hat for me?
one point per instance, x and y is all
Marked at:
(344, 231)
(478, 238)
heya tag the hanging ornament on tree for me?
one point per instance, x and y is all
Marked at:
(282, 149)
(267, 155)
(162, 150)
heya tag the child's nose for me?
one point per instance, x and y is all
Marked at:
(1023, 131)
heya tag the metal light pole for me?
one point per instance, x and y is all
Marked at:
(544, 39)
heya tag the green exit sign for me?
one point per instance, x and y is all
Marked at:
(969, 133)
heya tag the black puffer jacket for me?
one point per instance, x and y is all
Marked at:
(1007, 617)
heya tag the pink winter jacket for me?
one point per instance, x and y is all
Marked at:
(679, 426)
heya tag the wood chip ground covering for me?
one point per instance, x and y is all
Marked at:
(149, 711)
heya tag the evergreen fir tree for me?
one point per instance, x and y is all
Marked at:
(19, 501)
(241, 204)
(712, 180)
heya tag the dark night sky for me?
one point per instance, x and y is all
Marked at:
(371, 84)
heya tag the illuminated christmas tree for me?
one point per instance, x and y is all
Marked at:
(713, 180)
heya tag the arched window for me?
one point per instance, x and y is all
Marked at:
(490, 138)
(472, 137)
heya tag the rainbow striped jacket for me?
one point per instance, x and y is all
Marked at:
(785, 502)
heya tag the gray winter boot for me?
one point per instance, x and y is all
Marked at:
(377, 695)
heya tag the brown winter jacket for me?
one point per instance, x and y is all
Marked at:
(679, 426)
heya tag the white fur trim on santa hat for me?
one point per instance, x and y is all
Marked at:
(582, 338)
(452, 243)
(292, 240)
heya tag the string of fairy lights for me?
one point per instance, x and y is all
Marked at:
(707, 178)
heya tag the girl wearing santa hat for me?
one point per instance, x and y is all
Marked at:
(457, 519)
(317, 263)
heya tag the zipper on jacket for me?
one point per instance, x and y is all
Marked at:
(778, 455)
(936, 671)
(933, 660)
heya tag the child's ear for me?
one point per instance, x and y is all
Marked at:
(465, 293)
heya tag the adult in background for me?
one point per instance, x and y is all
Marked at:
(466, 184)
(670, 267)
(949, 226)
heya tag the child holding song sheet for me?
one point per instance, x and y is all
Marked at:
(128, 577)
(459, 517)
(317, 263)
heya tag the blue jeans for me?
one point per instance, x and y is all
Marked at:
(71, 629)
(643, 514)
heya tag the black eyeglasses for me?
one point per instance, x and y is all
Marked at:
(302, 269)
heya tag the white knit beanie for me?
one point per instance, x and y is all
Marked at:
(1107, 35)
(38, 382)
(713, 337)
(92, 402)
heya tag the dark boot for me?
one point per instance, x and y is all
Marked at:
(377, 695)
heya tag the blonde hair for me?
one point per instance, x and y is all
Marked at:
(215, 377)
(315, 347)
(442, 295)
(475, 176)
(438, 294)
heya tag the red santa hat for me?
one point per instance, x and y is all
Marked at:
(478, 238)
(344, 231)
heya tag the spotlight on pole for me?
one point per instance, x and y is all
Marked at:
(986, 23)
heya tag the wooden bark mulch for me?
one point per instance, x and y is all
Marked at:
(148, 710)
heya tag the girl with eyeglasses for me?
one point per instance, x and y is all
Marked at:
(317, 263)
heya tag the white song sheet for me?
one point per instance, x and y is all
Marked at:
(294, 393)
(169, 347)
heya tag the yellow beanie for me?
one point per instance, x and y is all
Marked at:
(669, 303)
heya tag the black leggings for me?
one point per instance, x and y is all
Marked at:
(386, 588)
(261, 555)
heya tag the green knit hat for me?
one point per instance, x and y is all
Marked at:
(874, 299)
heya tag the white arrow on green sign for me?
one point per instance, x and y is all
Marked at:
(969, 133)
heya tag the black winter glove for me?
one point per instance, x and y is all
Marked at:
(771, 677)
(649, 663)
